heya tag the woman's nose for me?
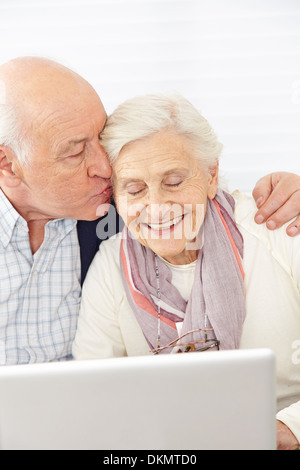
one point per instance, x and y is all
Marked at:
(156, 204)
(157, 210)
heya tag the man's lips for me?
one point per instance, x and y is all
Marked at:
(106, 192)
(103, 208)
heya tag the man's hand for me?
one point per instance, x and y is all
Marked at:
(286, 440)
(277, 197)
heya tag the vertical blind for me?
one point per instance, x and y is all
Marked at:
(238, 61)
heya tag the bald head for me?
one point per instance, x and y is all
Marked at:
(34, 88)
(52, 164)
(32, 77)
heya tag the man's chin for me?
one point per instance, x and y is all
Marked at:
(95, 212)
(90, 212)
(103, 209)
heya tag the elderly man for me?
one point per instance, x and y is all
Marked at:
(53, 173)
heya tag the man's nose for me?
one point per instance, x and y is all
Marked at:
(99, 164)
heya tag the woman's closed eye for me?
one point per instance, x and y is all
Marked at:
(135, 190)
(173, 185)
(173, 182)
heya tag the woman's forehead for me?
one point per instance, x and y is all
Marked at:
(156, 154)
(162, 142)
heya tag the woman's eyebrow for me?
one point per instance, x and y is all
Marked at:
(181, 171)
(124, 182)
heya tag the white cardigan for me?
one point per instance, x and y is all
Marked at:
(107, 326)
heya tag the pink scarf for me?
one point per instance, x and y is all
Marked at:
(218, 289)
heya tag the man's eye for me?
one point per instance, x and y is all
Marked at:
(76, 155)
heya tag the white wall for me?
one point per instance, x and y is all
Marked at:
(238, 61)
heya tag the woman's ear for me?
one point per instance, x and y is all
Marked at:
(7, 175)
(213, 181)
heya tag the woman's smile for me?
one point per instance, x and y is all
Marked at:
(163, 229)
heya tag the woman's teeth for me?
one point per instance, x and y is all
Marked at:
(166, 225)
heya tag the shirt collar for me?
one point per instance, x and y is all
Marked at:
(9, 218)
(63, 226)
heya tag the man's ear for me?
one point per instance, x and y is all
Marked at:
(213, 181)
(8, 177)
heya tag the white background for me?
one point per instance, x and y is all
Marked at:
(238, 61)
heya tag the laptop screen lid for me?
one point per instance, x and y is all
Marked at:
(209, 400)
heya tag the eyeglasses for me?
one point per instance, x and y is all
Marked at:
(191, 346)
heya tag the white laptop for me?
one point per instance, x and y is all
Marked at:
(208, 400)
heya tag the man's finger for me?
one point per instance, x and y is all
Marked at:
(276, 202)
(294, 228)
(281, 182)
(278, 199)
(262, 190)
(286, 212)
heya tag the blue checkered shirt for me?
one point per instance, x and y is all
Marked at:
(40, 293)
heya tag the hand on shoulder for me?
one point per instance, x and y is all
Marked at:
(277, 197)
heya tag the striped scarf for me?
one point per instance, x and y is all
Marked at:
(217, 292)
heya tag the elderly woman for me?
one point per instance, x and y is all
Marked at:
(191, 271)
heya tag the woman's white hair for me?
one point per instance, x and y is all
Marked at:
(142, 116)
